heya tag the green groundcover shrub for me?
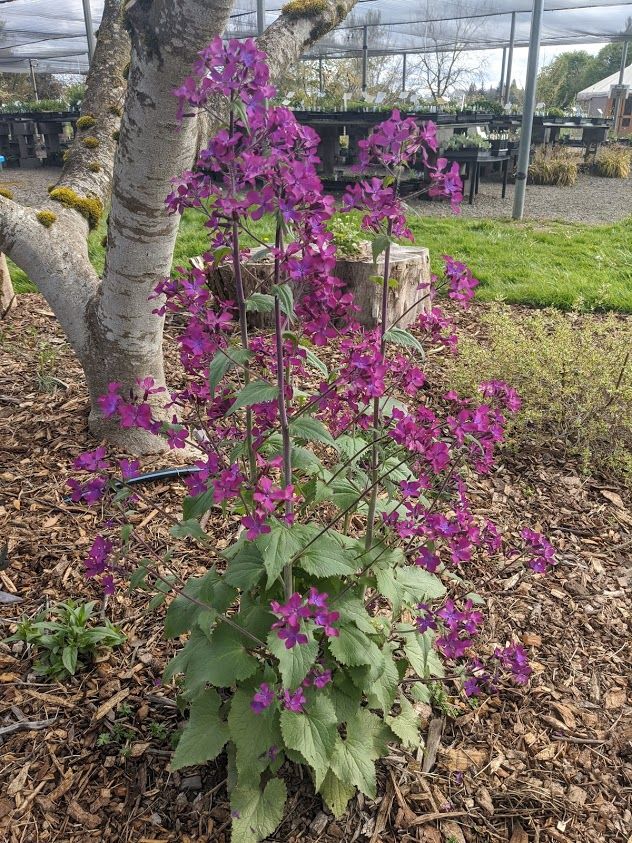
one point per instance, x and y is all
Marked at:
(574, 374)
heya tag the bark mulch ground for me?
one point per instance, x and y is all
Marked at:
(552, 763)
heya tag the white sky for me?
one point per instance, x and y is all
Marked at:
(494, 60)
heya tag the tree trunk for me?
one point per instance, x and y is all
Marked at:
(109, 322)
(7, 294)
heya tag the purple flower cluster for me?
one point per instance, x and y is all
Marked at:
(97, 563)
(265, 696)
(297, 611)
(460, 280)
(541, 551)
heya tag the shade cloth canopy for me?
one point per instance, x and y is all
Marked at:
(51, 33)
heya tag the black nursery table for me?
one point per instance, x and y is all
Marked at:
(473, 159)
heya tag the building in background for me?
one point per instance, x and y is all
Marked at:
(598, 101)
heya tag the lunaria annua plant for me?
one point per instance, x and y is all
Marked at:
(342, 597)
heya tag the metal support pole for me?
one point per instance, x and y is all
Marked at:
(365, 57)
(512, 39)
(529, 109)
(34, 83)
(404, 74)
(620, 106)
(261, 16)
(87, 17)
(321, 78)
(501, 87)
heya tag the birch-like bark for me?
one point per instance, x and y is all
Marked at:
(7, 293)
(109, 321)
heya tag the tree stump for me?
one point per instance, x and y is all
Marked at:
(410, 268)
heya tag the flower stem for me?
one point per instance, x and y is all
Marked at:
(288, 578)
(376, 401)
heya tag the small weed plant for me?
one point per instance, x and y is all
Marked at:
(574, 373)
(341, 596)
(65, 640)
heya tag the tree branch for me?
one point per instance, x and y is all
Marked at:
(88, 167)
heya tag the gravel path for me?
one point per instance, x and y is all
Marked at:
(591, 199)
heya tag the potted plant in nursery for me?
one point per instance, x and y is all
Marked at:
(466, 147)
(342, 588)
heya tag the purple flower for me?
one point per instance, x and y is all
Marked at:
(92, 460)
(543, 552)
(129, 468)
(322, 679)
(263, 698)
(294, 701)
(110, 401)
(515, 660)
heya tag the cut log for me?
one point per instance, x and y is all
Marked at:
(410, 269)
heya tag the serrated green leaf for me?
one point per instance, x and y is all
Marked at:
(205, 733)
(277, 548)
(182, 612)
(257, 813)
(326, 558)
(399, 336)
(252, 734)
(221, 660)
(315, 362)
(382, 691)
(223, 362)
(295, 663)
(197, 506)
(260, 303)
(419, 585)
(345, 696)
(421, 654)
(379, 244)
(256, 392)
(353, 758)
(405, 724)
(352, 610)
(312, 733)
(245, 566)
(336, 794)
(352, 647)
(286, 299)
(312, 430)
(189, 528)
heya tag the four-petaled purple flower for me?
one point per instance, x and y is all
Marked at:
(263, 698)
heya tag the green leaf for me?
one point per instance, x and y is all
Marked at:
(260, 303)
(256, 392)
(312, 733)
(312, 430)
(220, 661)
(256, 813)
(379, 244)
(352, 610)
(405, 724)
(345, 696)
(388, 587)
(353, 757)
(245, 567)
(223, 362)
(188, 528)
(399, 336)
(352, 647)
(421, 654)
(419, 585)
(182, 612)
(253, 734)
(294, 664)
(336, 794)
(205, 734)
(382, 691)
(316, 363)
(277, 548)
(69, 659)
(286, 299)
(197, 506)
(326, 558)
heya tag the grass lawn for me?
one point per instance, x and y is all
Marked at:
(533, 263)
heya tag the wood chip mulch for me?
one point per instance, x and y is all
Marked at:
(89, 761)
